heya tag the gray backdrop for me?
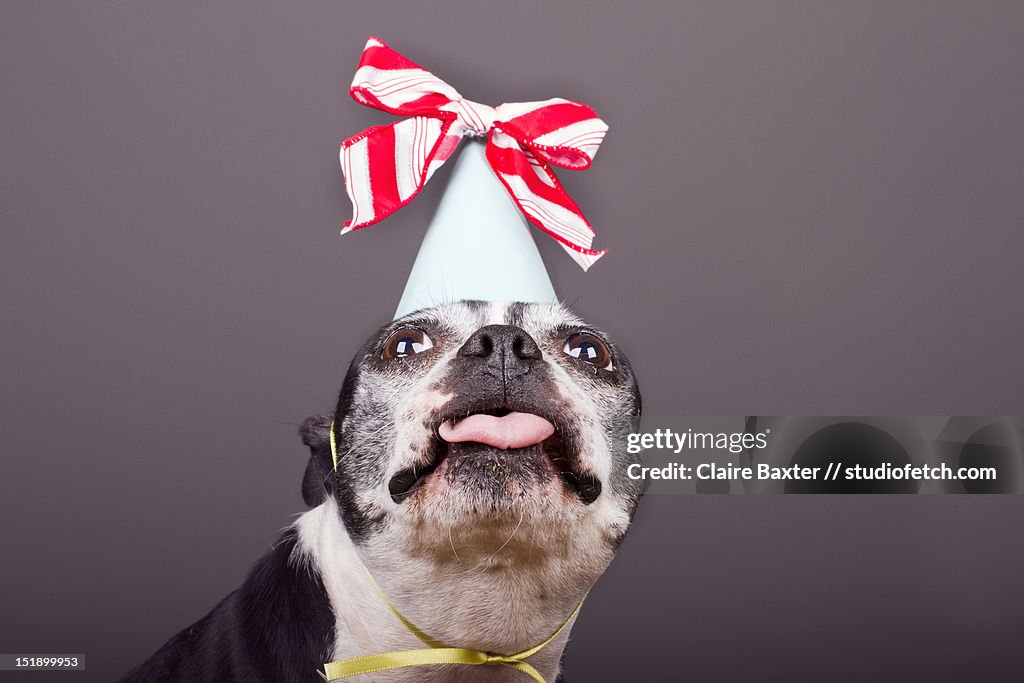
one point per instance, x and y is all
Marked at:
(811, 209)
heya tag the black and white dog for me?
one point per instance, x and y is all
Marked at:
(480, 481)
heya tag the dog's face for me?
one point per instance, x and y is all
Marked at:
(473, 427)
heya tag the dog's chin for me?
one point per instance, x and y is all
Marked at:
(485, 474)
(495, 479)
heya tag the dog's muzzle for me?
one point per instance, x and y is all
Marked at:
(503, 426)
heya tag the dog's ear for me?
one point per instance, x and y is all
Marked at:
(317, 483)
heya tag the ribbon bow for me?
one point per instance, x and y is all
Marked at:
(386, 166)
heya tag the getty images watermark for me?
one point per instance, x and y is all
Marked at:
(829, 455)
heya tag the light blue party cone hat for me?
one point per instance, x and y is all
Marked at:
(478, 245)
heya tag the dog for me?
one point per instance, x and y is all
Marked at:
(477, 484)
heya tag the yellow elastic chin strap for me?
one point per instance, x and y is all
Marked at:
(334, 449)
(436, 652)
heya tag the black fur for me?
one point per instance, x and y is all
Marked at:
(276, 628)
(317, 482)
(358, 524)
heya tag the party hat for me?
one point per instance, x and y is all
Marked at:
(478, 245)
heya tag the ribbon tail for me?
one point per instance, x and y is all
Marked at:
(584, 258)
(527, 669)
(539, 195)
(385, 167)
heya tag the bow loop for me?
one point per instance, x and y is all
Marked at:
(561, 132)
(386, 167)
(389, 81)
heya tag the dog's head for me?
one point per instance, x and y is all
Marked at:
(474, 427)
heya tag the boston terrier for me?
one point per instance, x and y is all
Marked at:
(471, 477)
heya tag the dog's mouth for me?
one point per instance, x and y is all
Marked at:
(496, 446)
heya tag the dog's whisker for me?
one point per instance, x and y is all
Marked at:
(522, 516)
(312, 395)
(452, 542)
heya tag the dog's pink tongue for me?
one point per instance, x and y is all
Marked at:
(515, 430)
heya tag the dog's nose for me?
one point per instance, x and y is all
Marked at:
(509, 346)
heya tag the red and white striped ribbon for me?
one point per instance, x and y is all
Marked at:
(386, 166)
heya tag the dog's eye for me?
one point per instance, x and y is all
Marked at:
(589, 349)
(406, 342)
